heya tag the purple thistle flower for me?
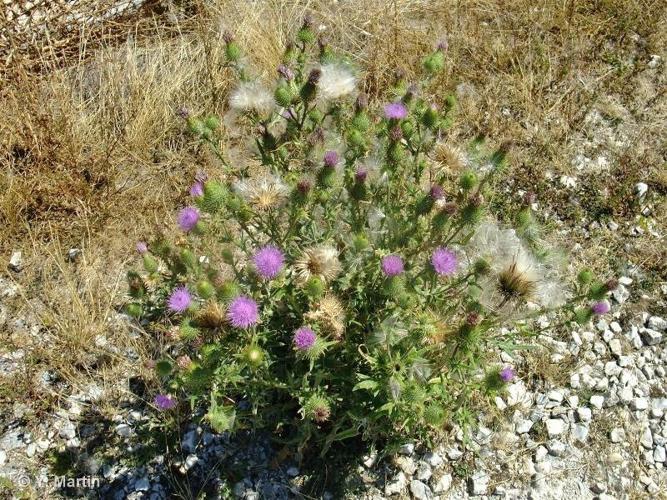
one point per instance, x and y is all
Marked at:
(436, 192)
(164, 402)
(285, 72)
(444, 261)
(304, 338)
(268, 261)
(197, 189)
(361, 174)
(243, 312)
(330, 159)
(188, 218)
(142, 247)
(395, 111)
(442, 44)
(507, 374)
(601, 307)
(179, 300)
(392, 265)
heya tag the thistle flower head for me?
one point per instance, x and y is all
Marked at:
(164, 402)
(507, 374)
(183, 112)
(263, 193)
(395, 133)
(184, 362)
(314, 76)
(336, 80)
(518, 280)
(331, 159)
(444, 261)
(304, 338)
(197, 189)
(319, 261)
(188, 218)
(141, 247)
(243, 312)
(252, 96)
(361, 174)
(395, 111)
(286, 72)
(392, 265)
(361, 102)
(317, 408)
(179, 300)
(436, 192)
(329, 315)
(601, 307)
(268, 261)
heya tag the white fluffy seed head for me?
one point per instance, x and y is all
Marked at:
(336, 81)
(251, 96)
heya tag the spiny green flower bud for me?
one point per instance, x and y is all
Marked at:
(360, 242)
(227, 254)
(468, 335)
(314, 288)
(150, 263)
(315, 115)
(215, 196)
(283, 96)
(471, 214)
(395, 152)
(212, 122)
(253, 355)
(220, 418)
(481, 267)
(290, 52)
(228, 290)
(232, 49)
(394, 286)
(597, 290)
(450, 102)
(306, 35)
(359, 191)
(135, 284)
(317, 408)
(435, 62)
(195, 125)
(468, 180)
(233, 203)
(205, 289)
(233, 52)
(326, 177)
(425, 205)
(585, 276)
(361, 121)
(524, 218)
(582, 315)
(430, 117)
(407, 128)
(134, 310)
(309, 89)
(355, 138)
(163, 368)
(187, 332)
(434, 415)
(188, 258)
(493, 382)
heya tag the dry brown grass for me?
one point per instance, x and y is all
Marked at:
(94, 156)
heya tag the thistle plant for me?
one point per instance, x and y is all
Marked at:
(353, 283)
